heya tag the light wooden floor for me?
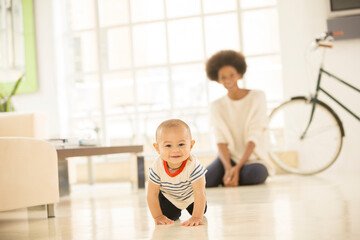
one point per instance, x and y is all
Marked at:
(286, 207)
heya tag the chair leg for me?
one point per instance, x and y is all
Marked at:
(50, 210)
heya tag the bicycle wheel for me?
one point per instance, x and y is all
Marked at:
(320, 146)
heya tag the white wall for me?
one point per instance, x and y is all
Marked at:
(300, 22)
(45, 99)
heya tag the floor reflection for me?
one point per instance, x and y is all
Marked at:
(176, 231)
(286, 207)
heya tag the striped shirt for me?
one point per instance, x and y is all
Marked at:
(177, 187)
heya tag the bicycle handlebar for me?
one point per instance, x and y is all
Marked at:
(326, 37)
(325, 45)
(323, 37)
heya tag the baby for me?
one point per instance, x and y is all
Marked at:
(177, 180)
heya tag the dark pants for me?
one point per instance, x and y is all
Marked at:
(172, 212)
(250, 174)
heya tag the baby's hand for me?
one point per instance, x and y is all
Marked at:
(193, 221)
(163, 220)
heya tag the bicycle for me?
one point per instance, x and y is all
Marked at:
(306, 134)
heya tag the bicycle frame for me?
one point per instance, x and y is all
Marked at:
(314, 99)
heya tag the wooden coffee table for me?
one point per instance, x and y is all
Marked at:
(87, 151)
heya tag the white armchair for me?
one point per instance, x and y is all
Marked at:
(28, 174)
(22, 124)
(28, 165)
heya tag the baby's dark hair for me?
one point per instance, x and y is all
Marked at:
(170, 124)
(225, 58)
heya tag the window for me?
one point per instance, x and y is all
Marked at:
(130, 64)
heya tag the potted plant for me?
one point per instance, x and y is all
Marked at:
(5, 101)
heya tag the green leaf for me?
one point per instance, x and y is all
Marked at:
(15, 87)
(5, 101)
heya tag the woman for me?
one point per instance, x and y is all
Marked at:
(239, 120)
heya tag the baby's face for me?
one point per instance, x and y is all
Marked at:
(174, 144)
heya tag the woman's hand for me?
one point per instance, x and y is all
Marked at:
(231, 177)
(227, 177)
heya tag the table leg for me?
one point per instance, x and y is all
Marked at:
(141, 171)
(90, 168)
(64, 186)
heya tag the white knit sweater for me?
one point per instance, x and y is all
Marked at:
(236, 122)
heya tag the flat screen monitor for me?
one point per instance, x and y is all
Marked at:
(339, 8)
(341, 5)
